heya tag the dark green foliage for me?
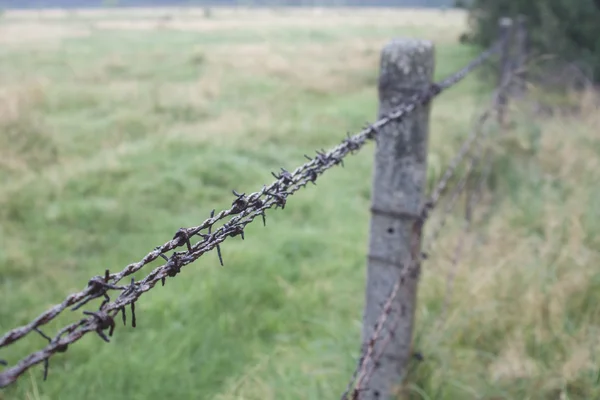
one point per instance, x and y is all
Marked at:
(566, 29)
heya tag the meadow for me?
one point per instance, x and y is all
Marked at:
(117, 127)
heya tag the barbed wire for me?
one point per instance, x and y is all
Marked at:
(244, 209)
(470, 204)
(368, 362)
(476, 135)
(370, 358)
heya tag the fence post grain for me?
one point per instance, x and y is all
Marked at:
(505, 27)
(398, 187)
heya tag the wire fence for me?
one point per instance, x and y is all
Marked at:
(209, 235)
(477, 156)
(471, 151)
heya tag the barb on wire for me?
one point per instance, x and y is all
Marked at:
(244, 209)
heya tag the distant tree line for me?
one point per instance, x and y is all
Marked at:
(568, 29)
(165, 3)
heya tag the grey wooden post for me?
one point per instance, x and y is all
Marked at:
(521, 48)
(399, 179)
(505, 27)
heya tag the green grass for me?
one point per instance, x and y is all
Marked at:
(112, 141)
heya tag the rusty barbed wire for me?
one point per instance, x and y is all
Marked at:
(244, 209)
(470, 204)
(477, 134)
(455, 194)
(473, 199)
(483, 181)
(367, 363)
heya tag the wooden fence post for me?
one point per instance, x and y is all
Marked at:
(521, 49)
(399, 179)
(505, 27)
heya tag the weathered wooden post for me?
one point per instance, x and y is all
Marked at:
(505, 27)
(521, 49)
(399, 179)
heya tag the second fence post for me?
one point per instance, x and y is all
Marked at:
(505, 27)
(399, 181)
(521, 43)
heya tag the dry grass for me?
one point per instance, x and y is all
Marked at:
(339, 67)
(22, 27)
(523, 319)
(25, 142)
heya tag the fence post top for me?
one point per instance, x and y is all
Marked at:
(407, 47)
(407, 61)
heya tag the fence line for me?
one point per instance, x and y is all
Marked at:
(470, 203)
(368, 362)
(371, 361)
(244, 209)
(476, 134)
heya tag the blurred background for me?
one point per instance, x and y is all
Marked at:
(122, 121)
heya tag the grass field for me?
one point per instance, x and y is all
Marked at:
(119, 127)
